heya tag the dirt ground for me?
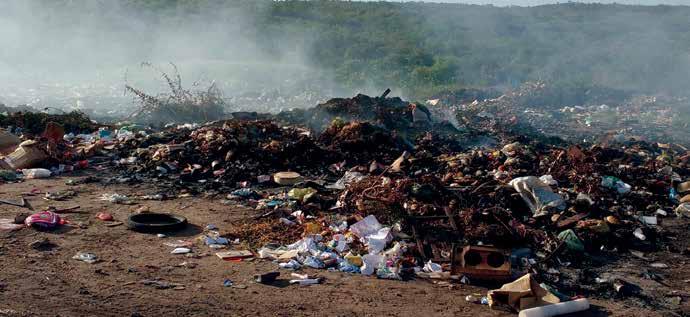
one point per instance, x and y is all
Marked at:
(49, 282)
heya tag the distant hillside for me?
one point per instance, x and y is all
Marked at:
(423, 47)
(419, 48)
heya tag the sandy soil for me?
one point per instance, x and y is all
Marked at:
(49, 282)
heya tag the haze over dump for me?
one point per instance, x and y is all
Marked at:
(76, 52)
(54, 49)
(543, 2)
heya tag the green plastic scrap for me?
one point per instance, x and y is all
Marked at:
(572, 242)
(301, 194)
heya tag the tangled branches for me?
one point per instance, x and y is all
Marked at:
(179, 105)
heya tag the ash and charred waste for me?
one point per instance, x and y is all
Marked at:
(374, 190)
(394, 114)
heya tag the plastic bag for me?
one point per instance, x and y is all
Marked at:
(366, 226)
(537, 195)
(571, 240)
(370, 263)
(683, 210)
(432, 267)
(313, 262)
(612, 182)
(348, 178)
(346, 266)
(377, 242)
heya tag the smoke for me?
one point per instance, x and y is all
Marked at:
(543, 2)
(76, 53)
(632, 48)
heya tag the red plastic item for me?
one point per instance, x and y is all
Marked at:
(44, 220)
(104, 216)
(82, 164)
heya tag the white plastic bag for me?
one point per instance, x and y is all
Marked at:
(31, 173)
(430, 267)
(378, 241)
(537, 195)
(370, 263)
(366, 226)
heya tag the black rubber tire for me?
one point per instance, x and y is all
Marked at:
(155, 222)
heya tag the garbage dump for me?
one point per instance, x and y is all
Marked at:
(380, 187)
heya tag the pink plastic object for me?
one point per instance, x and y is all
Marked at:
(44, 220)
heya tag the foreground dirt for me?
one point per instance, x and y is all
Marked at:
(49, 282)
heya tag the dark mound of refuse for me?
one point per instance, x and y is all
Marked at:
(233, 151)
(361, 142)
(34, 123)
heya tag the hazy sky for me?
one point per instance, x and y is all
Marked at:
(539, 2)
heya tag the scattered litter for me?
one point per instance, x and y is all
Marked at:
(46, 220)
(163, 285)
(234, 255)
(521, 294)
(117, 199)
(267, 278)
(10, 225)
(181, 250)
(32, 173)
(538, 195)
(659, 265)
(60, 195)
(612, 182)
(104, 216)
(86, 257)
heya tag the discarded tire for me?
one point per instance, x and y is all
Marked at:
(153, 222)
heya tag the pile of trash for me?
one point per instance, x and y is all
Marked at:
(537, 110)
(225, 152)
(378, 186)
(34, 123)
